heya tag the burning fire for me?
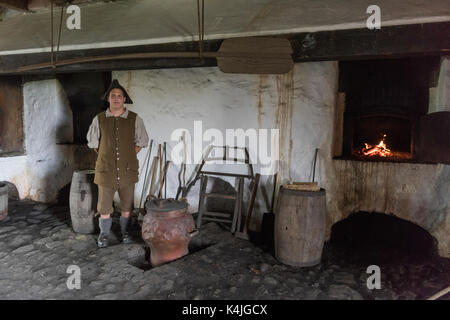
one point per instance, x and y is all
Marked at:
(379, 150)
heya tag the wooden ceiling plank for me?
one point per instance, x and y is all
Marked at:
(20, 5)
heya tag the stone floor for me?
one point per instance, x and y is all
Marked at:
(38, 245)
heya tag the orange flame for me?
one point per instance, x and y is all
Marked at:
(379, 150)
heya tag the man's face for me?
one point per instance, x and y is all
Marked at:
(116, 98)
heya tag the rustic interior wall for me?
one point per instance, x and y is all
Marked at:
(11, 122)
(46, 166)
(415, 192)
(48, 121)
(299, 104)
(440, 95)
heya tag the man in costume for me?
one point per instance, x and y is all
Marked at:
(117, 135)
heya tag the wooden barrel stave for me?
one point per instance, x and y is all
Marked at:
(300, 227)
(3, 201)
(83, 201)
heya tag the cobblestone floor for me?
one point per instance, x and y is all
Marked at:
(37, 245)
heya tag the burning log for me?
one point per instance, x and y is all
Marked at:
(379, 150)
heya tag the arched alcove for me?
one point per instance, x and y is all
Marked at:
(382, 237)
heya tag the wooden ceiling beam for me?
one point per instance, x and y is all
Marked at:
(35, 5)
(431, 39)
(20, 5)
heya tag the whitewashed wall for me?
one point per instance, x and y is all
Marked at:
(46, 167)
(300, 104)
(440, 96)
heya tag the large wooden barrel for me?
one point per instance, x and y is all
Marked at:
(3, 201)
(83, 201)
(300, 227)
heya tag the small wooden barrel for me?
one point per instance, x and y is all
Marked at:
(83, 201)
(300, 227)
(3, 201)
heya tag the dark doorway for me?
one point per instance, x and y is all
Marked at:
(84, 91)
(11, 123)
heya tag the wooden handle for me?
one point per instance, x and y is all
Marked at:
(252, 201)
(439, 294)
(154, 166)
(166, 166)
(160, 171)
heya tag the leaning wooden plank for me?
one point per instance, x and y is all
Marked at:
(305, 183)
(302, 187)
(216, 220)
(217, 214)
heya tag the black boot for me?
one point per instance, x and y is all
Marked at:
(126, 237)
(105, 227)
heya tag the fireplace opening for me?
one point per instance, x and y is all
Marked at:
(381, 107)
(382, 136)
(379, 238)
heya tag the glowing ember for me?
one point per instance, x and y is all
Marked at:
(380, 149)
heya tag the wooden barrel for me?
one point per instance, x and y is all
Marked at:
(300, 227)
(83, 201)
(3, 201)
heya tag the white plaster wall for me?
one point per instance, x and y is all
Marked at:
(47, 120)
(46, 167)
(443, 101)
(12, 169)
(440, 95)
(300, 104)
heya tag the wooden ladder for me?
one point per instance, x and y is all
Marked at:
(233, 219)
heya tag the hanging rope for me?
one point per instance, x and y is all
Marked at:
(60, 27)
(53, 56)
(51, 22)
(201, 25)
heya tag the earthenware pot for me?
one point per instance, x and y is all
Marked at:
(167, 229)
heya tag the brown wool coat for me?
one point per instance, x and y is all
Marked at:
(117, 164)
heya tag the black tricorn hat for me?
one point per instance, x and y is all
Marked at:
(115, 85)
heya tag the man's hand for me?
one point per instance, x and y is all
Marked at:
(137, 149)
(96, 150)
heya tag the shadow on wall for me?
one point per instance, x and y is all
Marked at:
(62, 199)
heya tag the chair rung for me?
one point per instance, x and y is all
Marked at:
(216, 220)
(218, 214)
(221, 196)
